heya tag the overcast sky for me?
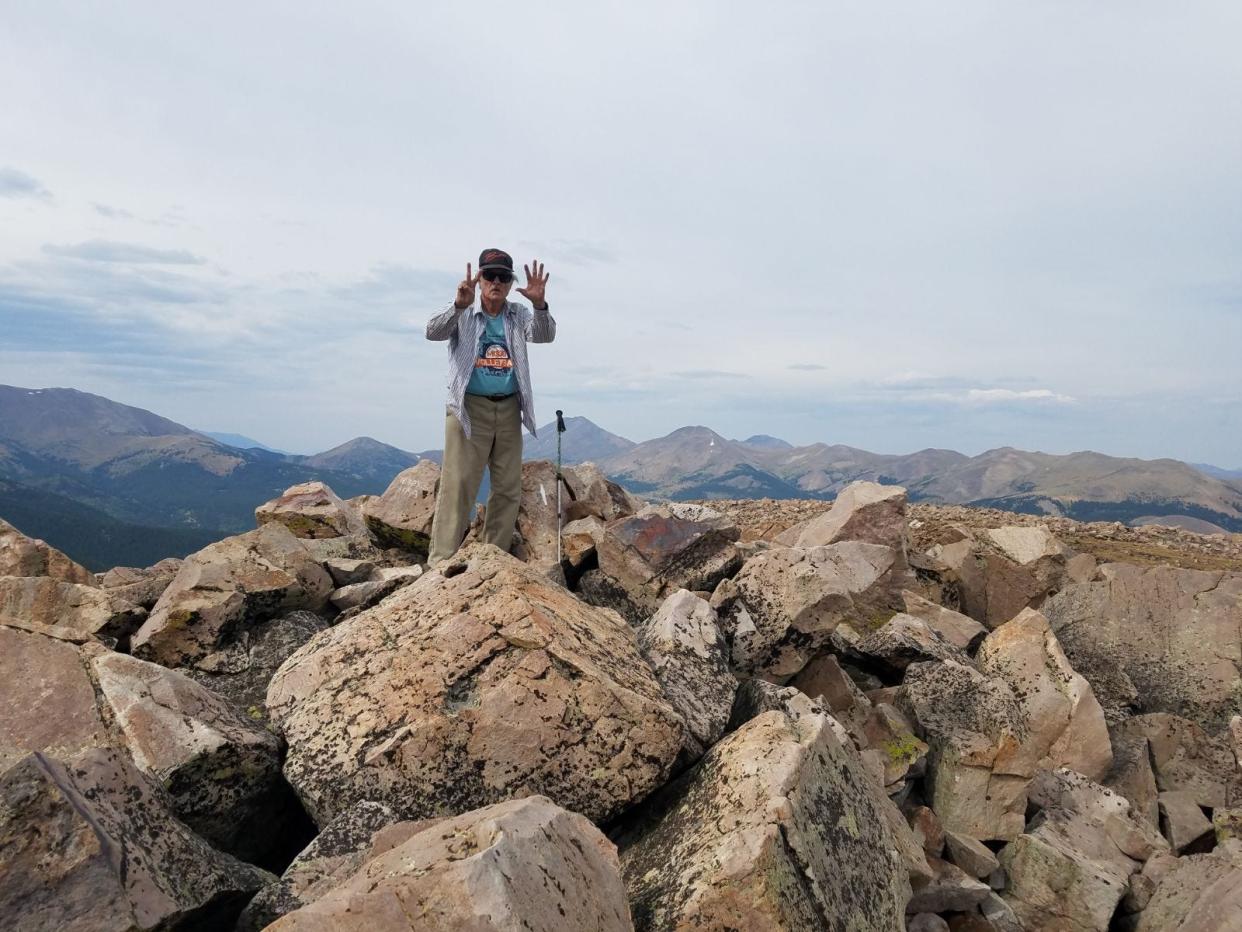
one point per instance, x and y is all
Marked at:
(894, 226)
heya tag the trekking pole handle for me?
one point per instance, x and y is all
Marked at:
(560, 422)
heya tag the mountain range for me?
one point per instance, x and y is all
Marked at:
(113, 484)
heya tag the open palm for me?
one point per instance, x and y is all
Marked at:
(536, 282)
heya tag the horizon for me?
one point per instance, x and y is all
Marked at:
(955, 228)
(426, 448)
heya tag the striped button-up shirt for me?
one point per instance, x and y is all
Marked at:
(462, 328)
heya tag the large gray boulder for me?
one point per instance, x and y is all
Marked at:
(46, 601)
(201, 618)
(1071, 867)
(1065, 722)
(864, 511)
(777, 827)
(27, 556)
(89, 843)
(655, 552)
(1156, 639)
(1003, 571)
(220, 770)
(688, 655)
(782, 608)
(978, 768)
(402, 516)
(312, 511)
(343, 846)
(586, 493)
(481, 681)
(142, 586)
(519, 865)
(1199, 893)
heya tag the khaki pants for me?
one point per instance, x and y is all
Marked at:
(495, 441)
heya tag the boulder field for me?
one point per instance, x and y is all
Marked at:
(680, 724)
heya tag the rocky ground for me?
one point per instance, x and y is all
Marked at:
(863, 715)
(1111, 541)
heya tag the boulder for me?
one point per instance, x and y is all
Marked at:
(1132, 775)
(587, 493)
(689, 658)
(221, 772)
(899, 751)
(47, 694)
(962, 631)
(1065, 722)
(27, 556)
(903, 640)
(1072, 866)
(143, 587)
(777, 827)
(89, 843)
(402, 516)
(1185, 758)
(1199, 893)
(1005, 571)
(824, 681)
(261, 649)
(344, 845)
(971, 855)
(864, 511)
(977, 768)
(482, 681)
(782, 608)
(1184, 824)
(1156, 639)
(312, 511)
(950, 889)
(651, 554)
(200, 619)
(46, 601)
(354, 598)
(345, 571)
(579, 540)
(520, 864)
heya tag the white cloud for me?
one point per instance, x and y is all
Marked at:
(990, 395)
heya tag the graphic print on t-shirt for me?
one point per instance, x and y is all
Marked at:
(493, 366)
(494, 360)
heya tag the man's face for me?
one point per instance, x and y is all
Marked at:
(493, 288)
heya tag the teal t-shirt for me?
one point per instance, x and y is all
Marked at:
(493, 367)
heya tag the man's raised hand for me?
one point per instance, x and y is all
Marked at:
(465, 290)
(536, 281)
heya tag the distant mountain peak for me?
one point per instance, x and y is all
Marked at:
(767, 442)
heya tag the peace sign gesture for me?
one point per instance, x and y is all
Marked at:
(465, 290)
(535, 282)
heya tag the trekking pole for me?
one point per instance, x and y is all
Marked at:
(560, 429)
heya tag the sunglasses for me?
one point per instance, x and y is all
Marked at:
(503, 277)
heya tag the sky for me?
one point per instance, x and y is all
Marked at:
(895, 226)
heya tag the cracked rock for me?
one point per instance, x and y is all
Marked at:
(777, 827)
(479, 682)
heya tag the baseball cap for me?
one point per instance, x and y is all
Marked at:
(495, 259)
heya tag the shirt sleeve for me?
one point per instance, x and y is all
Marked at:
(443, 325)
(542, 326)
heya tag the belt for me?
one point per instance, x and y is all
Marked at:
(493, 397)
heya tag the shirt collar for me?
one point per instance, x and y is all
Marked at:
(505, 312)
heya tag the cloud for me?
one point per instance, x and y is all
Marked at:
(992, 395)
(808, 367)
(102, 250)
(14, 183)
(573, 251)
(112, 213)
(708, 374)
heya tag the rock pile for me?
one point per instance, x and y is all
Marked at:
(838, 717)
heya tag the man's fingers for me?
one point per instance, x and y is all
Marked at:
(526, 269)
(467, 271)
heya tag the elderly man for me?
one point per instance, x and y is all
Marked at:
(489, 398)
